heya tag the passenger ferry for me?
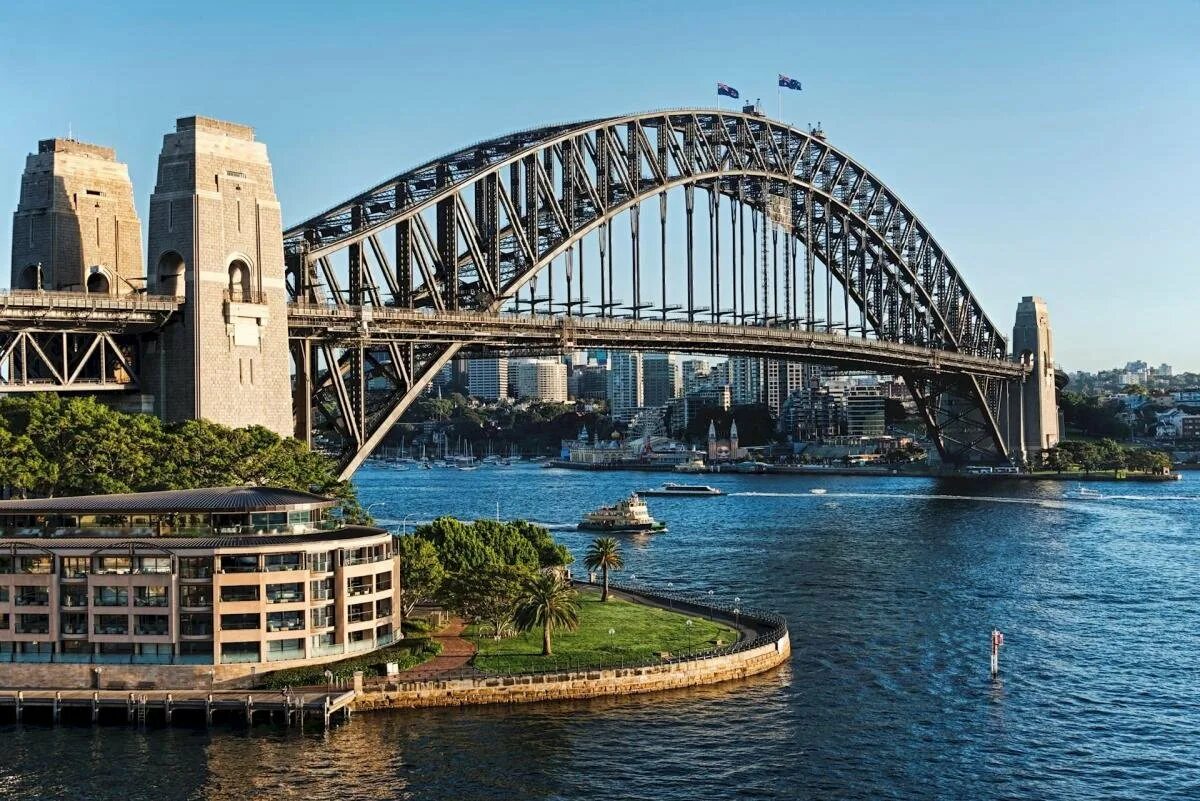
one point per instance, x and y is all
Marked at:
(629, 514)
(686, 490)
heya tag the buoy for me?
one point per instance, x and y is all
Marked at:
(997, 641)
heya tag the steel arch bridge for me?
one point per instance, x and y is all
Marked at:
(489, 250)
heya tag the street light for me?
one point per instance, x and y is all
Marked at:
(373, 505)
(404, 523)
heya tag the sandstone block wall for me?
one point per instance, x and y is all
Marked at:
(76, 218)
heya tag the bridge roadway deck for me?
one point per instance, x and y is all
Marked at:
(522, 332)
(23, 310)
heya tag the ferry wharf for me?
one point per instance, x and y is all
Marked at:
(162, 706)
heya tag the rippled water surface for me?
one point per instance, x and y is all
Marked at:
(890, 587)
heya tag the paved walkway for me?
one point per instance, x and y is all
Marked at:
(455, 657)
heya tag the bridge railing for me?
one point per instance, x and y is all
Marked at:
(32, 298)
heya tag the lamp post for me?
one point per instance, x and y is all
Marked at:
(373, 505)
(404, 523)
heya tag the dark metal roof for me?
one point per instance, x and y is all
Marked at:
(209, 499)
(189, 543)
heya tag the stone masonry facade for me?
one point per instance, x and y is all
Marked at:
(215, 240)
(76, 228)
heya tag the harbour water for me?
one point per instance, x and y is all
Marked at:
(890, 586)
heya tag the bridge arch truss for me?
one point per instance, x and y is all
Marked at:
(758, 226)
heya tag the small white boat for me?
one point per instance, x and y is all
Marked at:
(468, 467)
(818, 491)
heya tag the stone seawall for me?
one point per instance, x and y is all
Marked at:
(574, 685)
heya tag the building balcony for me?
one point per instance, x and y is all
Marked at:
(161, 602)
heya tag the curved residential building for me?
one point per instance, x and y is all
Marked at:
(186, 588)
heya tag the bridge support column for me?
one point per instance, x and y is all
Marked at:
(216, 240)
(1035, 405)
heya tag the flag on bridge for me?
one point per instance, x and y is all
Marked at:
(788, 83)
(727, 90)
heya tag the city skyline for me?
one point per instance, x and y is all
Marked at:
(947, 123)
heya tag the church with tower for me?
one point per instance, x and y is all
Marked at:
(724, 450)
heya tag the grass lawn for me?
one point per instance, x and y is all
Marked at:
(639, 633)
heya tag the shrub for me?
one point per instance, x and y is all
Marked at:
(407, 653)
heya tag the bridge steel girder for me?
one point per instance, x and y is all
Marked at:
(501, 217)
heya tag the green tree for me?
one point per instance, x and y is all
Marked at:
(549, 601)
(459, 546)
(488, 595)
(421, 571)
(604, 554)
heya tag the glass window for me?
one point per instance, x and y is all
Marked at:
(285, 593)
(32, 596)
(320, 562)
(195, 567)
(33, 624)
(73, 623)
(154, 564)
(239, 652)
(6, 564)
(4, 620)
(73, 597)
(383, 607)
(360, 612)
(112, 624)
(75, 566)
(246, 592)
(110, 596)
(113, 564)
(193, 595)
(196, 648)
(285, 621)
(383, 581)
(244, 563)
(37, 564)
(195, 624)
(241, 622)
(150, 625)
(150, 596)
(279, 650)
(321, 589)
(3, 595)
(284, 561)
(360, 585)
(322, 617)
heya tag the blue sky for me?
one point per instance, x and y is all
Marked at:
(1051, 148)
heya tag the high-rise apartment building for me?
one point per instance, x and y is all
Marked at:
(487, 379)
(625, 384)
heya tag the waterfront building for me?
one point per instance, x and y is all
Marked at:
(865, 412)
(487, 379)
(538, 379)
(625, 384)
(662, 379)
(186, 587)
(724, 450)
(814, 414)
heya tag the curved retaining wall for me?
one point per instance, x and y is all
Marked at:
(768, 650)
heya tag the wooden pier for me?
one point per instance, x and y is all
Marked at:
(161, 706)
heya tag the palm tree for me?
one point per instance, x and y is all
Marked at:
(604, 553)
(546, 600)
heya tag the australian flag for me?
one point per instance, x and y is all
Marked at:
(727, 90)
(788, 83)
